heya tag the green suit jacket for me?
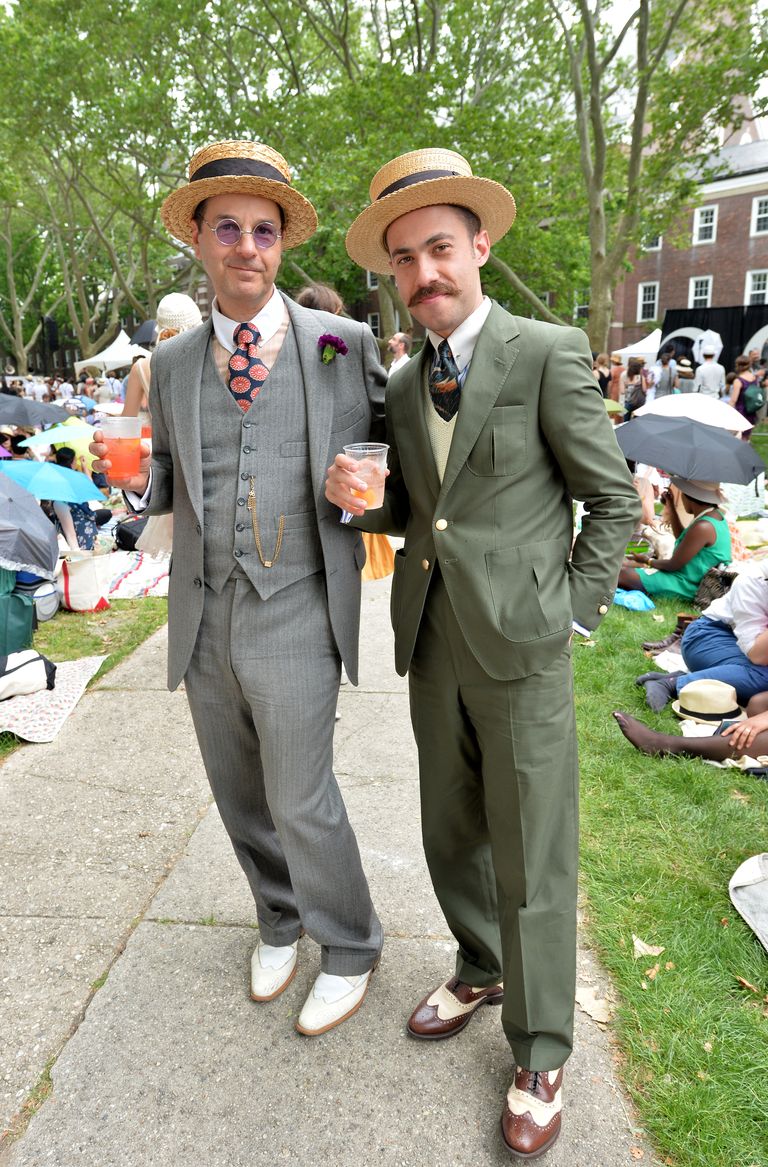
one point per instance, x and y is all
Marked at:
(532, 434)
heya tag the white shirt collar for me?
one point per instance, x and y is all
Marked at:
(267, 321)
(463, 339)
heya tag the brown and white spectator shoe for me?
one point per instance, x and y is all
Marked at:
(530, 1123)
(450, 1008)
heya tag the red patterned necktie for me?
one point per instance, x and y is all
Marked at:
(444, 386)
(247, 371)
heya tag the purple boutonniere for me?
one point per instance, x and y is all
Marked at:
(329, 345)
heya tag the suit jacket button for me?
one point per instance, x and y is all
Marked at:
(241, 502)
(425, 564)
(602, 609)
(199, 529)
(197, 581)
(238, 553)
(441, 524)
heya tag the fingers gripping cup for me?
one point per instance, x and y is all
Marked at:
(372, 468)
(122, 437)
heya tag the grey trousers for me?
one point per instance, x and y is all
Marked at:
(262, 687)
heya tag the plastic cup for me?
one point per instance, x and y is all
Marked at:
(122, 437)
(372, 459)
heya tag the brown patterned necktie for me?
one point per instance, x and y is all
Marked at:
(444, 387)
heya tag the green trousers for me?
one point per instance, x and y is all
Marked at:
(499, 806)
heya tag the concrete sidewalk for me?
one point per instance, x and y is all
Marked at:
(126, 929)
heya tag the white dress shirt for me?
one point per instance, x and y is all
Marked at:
(744, 608)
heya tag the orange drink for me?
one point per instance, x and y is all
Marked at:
(371, 458)
(122, 437)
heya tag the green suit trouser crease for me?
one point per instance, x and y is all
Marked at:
(499, 804)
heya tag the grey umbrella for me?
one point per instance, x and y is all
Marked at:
(23, 412)
(27, 538)
(145, 333)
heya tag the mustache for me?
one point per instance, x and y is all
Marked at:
(438, 288)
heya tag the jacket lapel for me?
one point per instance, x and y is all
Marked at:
(186, 379)
(495, 354)
(318, 390)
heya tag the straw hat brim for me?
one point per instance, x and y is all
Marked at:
(712, 719)
(300, 216)
(490, 201)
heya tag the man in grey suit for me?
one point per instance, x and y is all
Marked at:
(248, 410)
(493, 431)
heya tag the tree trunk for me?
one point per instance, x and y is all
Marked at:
(600, 305)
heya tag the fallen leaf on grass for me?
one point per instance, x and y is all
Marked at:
(737, 794)
(595, 1007)
(669, 965)
(748, 985)
(708, 1046)
(643, 949)
(725, 922)
(656, 615)
(703, 1075)
(651, 972)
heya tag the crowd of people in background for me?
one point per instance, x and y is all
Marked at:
(637, 383)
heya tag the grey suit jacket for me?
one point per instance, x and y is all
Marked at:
(345, 401)
(532, 434)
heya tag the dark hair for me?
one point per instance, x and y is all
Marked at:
(321, 298)
(634, 365)
(199, 214)
(742, 363)
(65, 456)
(471, 221)
(17, 448)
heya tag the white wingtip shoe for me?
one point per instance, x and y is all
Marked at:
(272, 970)
(332, 1000)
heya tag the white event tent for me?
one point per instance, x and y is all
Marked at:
(118, 355)
(646, 348)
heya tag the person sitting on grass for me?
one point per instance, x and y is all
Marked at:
(728, 643)
(698, 547)
(747, 737)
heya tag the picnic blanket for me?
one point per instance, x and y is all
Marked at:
(38, 717)
(136, 573)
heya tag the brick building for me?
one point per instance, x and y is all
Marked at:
(711, 269)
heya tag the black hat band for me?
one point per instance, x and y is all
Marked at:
(710, 716)
(419, 176)
(235, 167)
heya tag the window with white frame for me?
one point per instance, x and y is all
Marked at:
(705, 224)
(756, 288)
(373, 281)
(700, 291)
(581, 304)
(759, 224)
(374, 323)
(651, 243)
(648, 301)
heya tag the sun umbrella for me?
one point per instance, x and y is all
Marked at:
(23, 412)
(681, 446)
(47, 480)
(145, 333)
(65, 434)
(27, 537)
(707, 410)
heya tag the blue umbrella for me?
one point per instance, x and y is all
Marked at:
(47, 480)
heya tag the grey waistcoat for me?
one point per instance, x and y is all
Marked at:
(270, 444)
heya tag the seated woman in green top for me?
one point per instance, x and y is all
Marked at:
(704, 544)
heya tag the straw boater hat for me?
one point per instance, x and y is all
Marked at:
(708, 702)
(240, 168)
(425, 178)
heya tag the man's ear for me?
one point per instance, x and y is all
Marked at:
(196, 237)
(482, 247)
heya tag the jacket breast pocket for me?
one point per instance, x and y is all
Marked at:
(501, 449)
(349, 419)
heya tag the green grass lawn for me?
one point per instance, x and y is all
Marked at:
(116, 632)
(660, 841)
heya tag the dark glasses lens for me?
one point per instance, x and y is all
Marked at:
(229, 232)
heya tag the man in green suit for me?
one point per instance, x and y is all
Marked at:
(494, 431)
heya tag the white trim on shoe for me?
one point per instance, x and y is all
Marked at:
(273, 974)
(332, 1000)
